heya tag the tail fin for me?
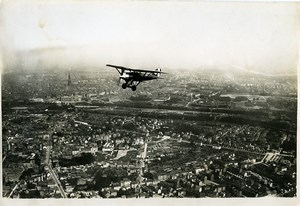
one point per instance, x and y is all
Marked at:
(159, 70)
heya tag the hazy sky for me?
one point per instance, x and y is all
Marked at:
(262, 37)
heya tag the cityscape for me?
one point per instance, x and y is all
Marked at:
(194, 134)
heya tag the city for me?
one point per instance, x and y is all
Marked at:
(204, 133)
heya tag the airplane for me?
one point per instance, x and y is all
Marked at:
(133, 77)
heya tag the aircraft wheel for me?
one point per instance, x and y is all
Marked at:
(133, 88)
(124, 86)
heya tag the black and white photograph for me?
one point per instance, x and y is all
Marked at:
(149, 100)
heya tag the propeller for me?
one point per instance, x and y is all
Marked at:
(118, 81)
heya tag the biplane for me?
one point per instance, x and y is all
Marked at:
(133, 77)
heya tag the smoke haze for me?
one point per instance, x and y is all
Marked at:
(261, 37)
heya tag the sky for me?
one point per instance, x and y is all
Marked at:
(75, 34)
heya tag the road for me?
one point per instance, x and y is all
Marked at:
(48, 163)
(57, 182)
(236, 149)
(193, 101)
(225, 147)
(48, 154)
(17, 185)
(3, 158)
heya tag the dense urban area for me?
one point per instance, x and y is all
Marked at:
(206, 133)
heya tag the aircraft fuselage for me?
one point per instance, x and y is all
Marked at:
(134, 76)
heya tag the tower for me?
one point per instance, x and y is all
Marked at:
(69, 79)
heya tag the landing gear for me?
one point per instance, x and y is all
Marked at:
(130, 84)
(133, 88)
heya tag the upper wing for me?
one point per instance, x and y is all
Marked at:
(135, 70)
(118, 67)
